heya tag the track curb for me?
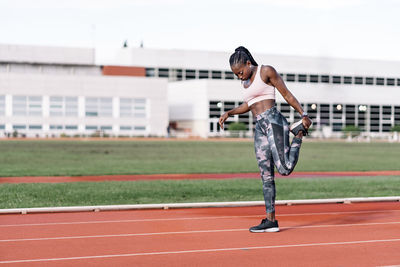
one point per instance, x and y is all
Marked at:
(166, 206)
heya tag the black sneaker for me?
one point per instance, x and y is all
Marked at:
(296, 127)
(265, 226)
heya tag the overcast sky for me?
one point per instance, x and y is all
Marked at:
(368, 29)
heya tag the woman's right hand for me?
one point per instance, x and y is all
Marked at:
(222, 119)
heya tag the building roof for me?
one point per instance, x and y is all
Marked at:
(46, 55)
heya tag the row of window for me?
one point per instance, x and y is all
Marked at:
(75, 127)
(188, 74)
(335, 79)
(373, 118)
(68, 106)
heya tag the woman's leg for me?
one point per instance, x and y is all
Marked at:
(266, 166)
(285, 154)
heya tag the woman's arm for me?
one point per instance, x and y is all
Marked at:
(243, 108)
(270, 76)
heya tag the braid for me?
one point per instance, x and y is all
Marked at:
(241, 56)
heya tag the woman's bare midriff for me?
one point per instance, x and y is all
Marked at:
(262, 106)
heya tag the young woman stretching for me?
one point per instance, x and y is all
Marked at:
(271, 136)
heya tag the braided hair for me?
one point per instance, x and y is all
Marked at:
(241, 56)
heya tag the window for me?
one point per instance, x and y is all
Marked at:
(179, 74)
(337, 79)
(215, 109)
(163, 73)
(350, 115)
(358, 80)
(140, 128)
(98, 107)
(56, 127)
(71, 106)
(203, 74)
(150, 72)
(216, 74)
(396, 115)
(91, 127)
(314, 78)
(325, 79)
(374, 119)
(2, 105)
(190, 74)
(2, 126)
(19, 105)
(71, 127)
(105, 127)
(229, 75)
(369, 80)
(324, 114)
(19, 127)
(132, 107)
(390, 81)
(27, 105)
(125, 128)
(380, 81)
(63, 106)
(398, 82)
(34, 105)
(35, 127)
(302, 78)
(348, 80)
(56, 106)
(290, 77)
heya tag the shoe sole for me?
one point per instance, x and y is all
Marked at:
(294, 125)
(269, 230)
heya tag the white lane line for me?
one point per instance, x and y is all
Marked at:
(198, 218)
(203, 250)
(191, 232)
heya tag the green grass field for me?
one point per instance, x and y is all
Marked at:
(55, 158)
(169, 191)
(74, 158)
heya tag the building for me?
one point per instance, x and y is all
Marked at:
(48, 91)
(51, 91)
(335, 92)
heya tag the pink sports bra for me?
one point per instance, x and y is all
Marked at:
(258, 90)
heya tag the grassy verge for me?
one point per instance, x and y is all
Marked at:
(74, 158)
(141, 192)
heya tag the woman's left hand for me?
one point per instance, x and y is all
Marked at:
(306, 122)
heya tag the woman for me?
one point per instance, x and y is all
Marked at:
(271, 136)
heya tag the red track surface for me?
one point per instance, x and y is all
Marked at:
(363, 234)
(100, 178)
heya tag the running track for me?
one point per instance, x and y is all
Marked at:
(363, 234)
(100, 178)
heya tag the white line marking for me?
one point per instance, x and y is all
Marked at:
(190, 232)
(203, 250)
(197, 218)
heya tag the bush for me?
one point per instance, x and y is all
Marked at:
(395, 128)
(237, 126)
(351, 130)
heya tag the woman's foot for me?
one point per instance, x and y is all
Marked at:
(297, 128)
(265, 226)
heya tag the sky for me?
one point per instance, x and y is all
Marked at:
(368, 29)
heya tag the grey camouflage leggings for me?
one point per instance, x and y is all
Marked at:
(272, 147)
